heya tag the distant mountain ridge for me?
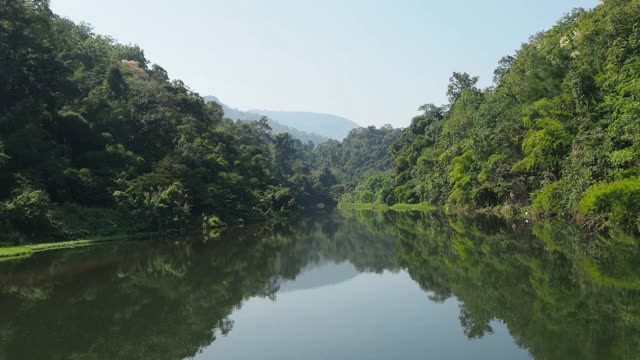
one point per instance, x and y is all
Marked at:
(331, 126)
(306, 126)
(277, 127)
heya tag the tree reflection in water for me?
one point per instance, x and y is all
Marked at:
(562, 294)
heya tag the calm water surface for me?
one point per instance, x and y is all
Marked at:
(333, 286)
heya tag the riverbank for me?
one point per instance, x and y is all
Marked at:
(424, 207)
(507, 212)
(24, 251)
(88, 230)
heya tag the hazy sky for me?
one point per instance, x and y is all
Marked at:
(374, 62)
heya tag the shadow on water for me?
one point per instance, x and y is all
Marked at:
(561, 293)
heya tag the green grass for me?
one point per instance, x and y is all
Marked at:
(25, 251)
(413, 207)
(397, 207)
(15, 251)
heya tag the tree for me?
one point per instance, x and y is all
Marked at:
(505, 63)
(458, 83)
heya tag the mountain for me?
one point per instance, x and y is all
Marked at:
(277, 127)
(331, 126)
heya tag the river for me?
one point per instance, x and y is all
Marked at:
(333, 286)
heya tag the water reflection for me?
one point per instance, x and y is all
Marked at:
(558, 292)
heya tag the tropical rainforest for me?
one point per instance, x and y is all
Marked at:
(95, 139)
(557, 134)
(98, 143)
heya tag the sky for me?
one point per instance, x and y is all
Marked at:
(372, 61)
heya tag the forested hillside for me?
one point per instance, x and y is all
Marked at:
(94, 139)
(364, 152)
(559, 130)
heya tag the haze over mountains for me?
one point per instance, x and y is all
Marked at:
(331, 126)
(306, 126)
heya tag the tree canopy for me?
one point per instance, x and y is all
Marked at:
(88, 122)
(558, 130)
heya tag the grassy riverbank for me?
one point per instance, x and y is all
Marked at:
(383, 207)
(25, 251)
(505, 211)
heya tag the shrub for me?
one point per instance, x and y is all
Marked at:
(347, 200)
(548, 199)
(167, 206)
(277, 198)
(28, 211)
(212, 226)
(82, 186)
(617, 201)
(75, 221)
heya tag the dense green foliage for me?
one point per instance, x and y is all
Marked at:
(94, 138)
(561, 118)
(364, 152)
(85, 121)
(619, 199)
